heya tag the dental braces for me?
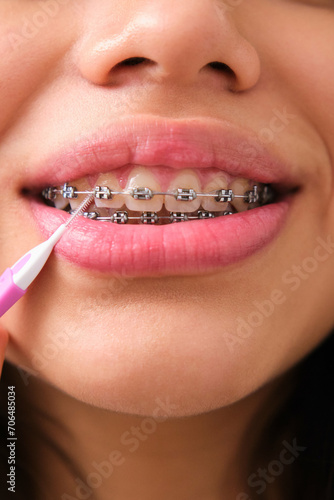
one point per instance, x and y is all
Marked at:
(255, 195)
(122, 217)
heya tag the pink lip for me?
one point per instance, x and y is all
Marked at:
(181, 248)
(194, 143)
(174, 249)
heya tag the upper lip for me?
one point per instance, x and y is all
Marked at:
(149, 140)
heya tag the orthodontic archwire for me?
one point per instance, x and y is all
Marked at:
(15, 281)
(261, 195)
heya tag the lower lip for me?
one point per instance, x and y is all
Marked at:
(185, 248)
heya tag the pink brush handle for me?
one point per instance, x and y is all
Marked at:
(9, 292)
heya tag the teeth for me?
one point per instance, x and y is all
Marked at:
(185, 198)
(187, 180)
(57, 199)
(240, 186)
(141, 177)
(60, 202)
(81, 185)
(210, 204)
(110, 181)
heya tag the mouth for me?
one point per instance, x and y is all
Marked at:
(143, 201)
(235, 201)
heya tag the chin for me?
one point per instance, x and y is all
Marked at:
(171, 374)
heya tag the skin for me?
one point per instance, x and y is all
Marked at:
(129, 344)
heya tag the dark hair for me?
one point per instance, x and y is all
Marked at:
(314, 404)
(305, 420)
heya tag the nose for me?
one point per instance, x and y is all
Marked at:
(180, 41)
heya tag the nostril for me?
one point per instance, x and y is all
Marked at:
(133, 61)
(221, 67)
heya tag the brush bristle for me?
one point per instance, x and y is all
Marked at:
(81, 208)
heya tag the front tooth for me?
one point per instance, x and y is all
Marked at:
(185, 179)
(241, 186)
(141, 177)
(209, 203)
(109, 180)
(81, 185)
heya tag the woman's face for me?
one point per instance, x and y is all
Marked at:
(198, 313)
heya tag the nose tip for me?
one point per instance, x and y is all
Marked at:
(170, 42)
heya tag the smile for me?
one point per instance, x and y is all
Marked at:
(143, 201)
(141, 174)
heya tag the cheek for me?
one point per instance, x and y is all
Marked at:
(299, 54)
(32, 40)
(297, 60)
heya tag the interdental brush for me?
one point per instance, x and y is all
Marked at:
(15, 281)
